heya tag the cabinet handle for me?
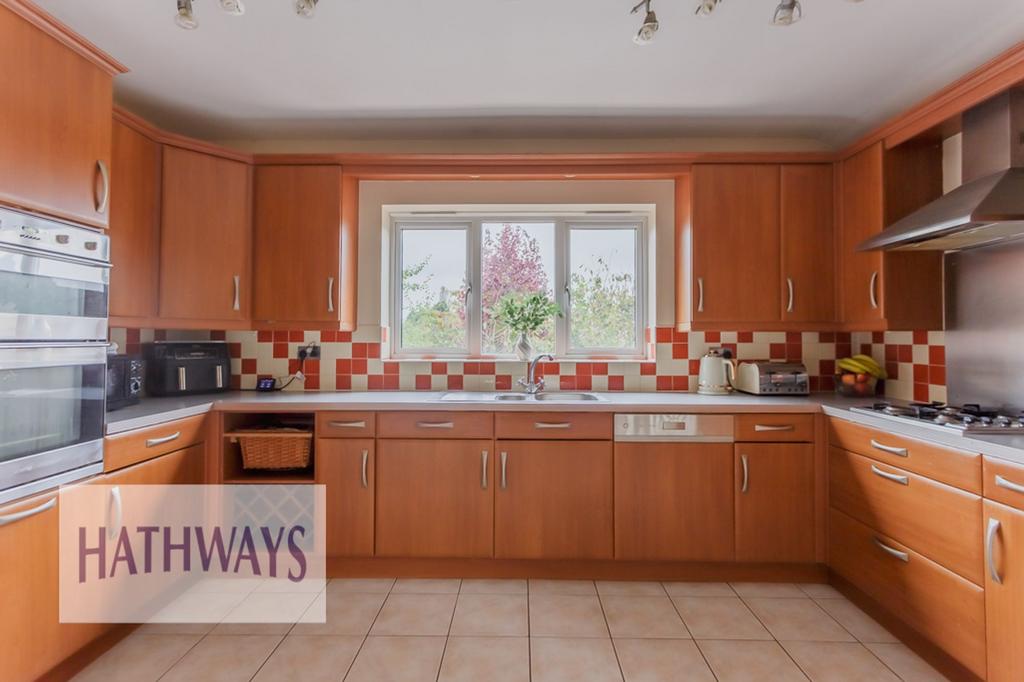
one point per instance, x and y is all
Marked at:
(348, 425)
(789, 285)
(700, 294)
(483, 469)
(895, 478)
(182, 382)
(330, 294)
(1009, 485)
(746, 474)
(990, 541)
(104, 199)
(236, 304)
(153, 442)
(902, 556)
(363, 479)
(899, 452)
(872, 290)
(435, 425)
(504, 472)
(18, 516)
(114, 526)
(552, 425)
(774, 427)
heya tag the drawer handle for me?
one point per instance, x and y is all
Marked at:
(483, 469)
(990, 541)
(363, 479)
(774, 427)
(552, 425)
(895, 478)
(899, 452)
(746, 474)
(348, 425)
(1009, 485)
(902, 556)
(153, 442)
(18, 516)
(504, 472)
(435, 425)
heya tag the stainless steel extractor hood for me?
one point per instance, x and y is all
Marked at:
(989, 206)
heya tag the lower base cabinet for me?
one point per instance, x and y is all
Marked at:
(346, 468)
(775, 502)
(1004, 592)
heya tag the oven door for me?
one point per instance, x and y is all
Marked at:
(51, 298)
(51, 415)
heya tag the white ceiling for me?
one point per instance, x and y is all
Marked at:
(537, 68)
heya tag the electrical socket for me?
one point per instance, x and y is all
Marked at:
(310, 350)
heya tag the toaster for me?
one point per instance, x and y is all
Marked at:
(772, 378)
(187, 367)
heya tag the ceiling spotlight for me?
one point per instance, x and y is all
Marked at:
(305, 7)
(185, 18)
(234, 7)
(650, 26)
(788, 12)
(706, 7)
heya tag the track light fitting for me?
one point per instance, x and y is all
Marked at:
(706, 7)
(787, 13)
(186, 18)
(650, 26)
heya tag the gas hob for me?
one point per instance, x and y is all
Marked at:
(968, 419)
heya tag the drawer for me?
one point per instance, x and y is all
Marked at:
(775, 428)
(553, 426)
(954, 467)
(137, 446)
(939, 604)
(1004, 482)
(436, 424)
(937, 520)
(345, 425)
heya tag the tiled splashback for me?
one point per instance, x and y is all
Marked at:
(353, 361)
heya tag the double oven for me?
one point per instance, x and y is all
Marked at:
(54, 285)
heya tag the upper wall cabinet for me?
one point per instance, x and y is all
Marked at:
(55, 121)
(808, 243)
(205, 239)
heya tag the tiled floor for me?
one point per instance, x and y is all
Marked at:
(540, 630)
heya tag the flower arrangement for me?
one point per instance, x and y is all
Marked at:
(524, 315)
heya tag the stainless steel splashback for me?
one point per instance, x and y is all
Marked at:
(985, 326)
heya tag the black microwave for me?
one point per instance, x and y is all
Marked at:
(125, 377)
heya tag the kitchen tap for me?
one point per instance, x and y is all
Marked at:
(529, 384)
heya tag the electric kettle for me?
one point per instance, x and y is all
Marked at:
(717, 372)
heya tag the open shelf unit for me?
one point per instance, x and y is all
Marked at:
(233, 470)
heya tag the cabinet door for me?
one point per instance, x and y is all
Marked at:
(808, 242)
(736, 243)
(775, 502)
(297, 220)
(674, 501)
(1004, 599)
(134, 224)
(861, 198)
(553, 500)
(54, 125)
(435, 498)
(205, 237)
(345, 466)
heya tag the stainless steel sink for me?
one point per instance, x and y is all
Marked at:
(490, 397)
(511, 397)
(566, 397)
(469, 397)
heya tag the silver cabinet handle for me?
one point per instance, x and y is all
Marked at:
(348, 425)
(1009, 485)
(990, 541)
(552, 425)
(774, 427)
(362, 477)
(153, 442)
(182, 384)
(330, 294)
(902, 556)
(872, 290)
(504, 472)
(789, 285)
(104, 198)
(899, 452)
(219, 378)
(746, 474)
(18, 516)
(895, 478)
(700, 294)
(236, 304)
(483, 469)
(114, 526)
(435, 425)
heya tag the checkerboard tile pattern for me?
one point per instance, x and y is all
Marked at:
(915, 362)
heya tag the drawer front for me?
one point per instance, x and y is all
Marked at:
(937, 520)
(137, 446)
(1004, 482)
(436, 424)
(346, 425)
(954, 467)
(775, 428)
(553, 426)
(942, 606)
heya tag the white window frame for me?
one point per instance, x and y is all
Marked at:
(564, 222)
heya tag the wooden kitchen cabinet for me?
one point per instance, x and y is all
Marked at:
(553, 500)
(205, 239)
(435, 498)
(674, 501)
(774, 502)
(1004, 592)
(807, 243)
(346, 467)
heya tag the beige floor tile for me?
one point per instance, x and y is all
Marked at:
(252, 629)
(310, 658)
(799, 620)
(270, 608)
(660, 660)
(491, 614)
(905, 663)
(570, 587)
(494, 659)
(857, 623)
(838, 662)
(626, 588)
(175, 628)
(560, 615)
(699, 590)
(719, 618)
(778, 590)
(223, 658)
(397, 659)
(364, 585)
(820, 591)
(426, 586)
(138, 658)
(347, 614)
(643, 617)
(415, 615)
(750, 662)
(573, 660)
(482, 586)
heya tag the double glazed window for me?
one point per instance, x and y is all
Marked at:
(450, 274)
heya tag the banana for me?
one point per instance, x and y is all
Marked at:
(861, 364)
(876, 369)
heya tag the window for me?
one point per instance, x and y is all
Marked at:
(450, 272)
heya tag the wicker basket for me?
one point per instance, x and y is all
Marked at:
(274, 448)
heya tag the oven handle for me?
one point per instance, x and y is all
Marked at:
(18, 516)
(14, 356)
(50, 255)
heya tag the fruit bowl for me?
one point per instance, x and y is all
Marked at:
(859, 385)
